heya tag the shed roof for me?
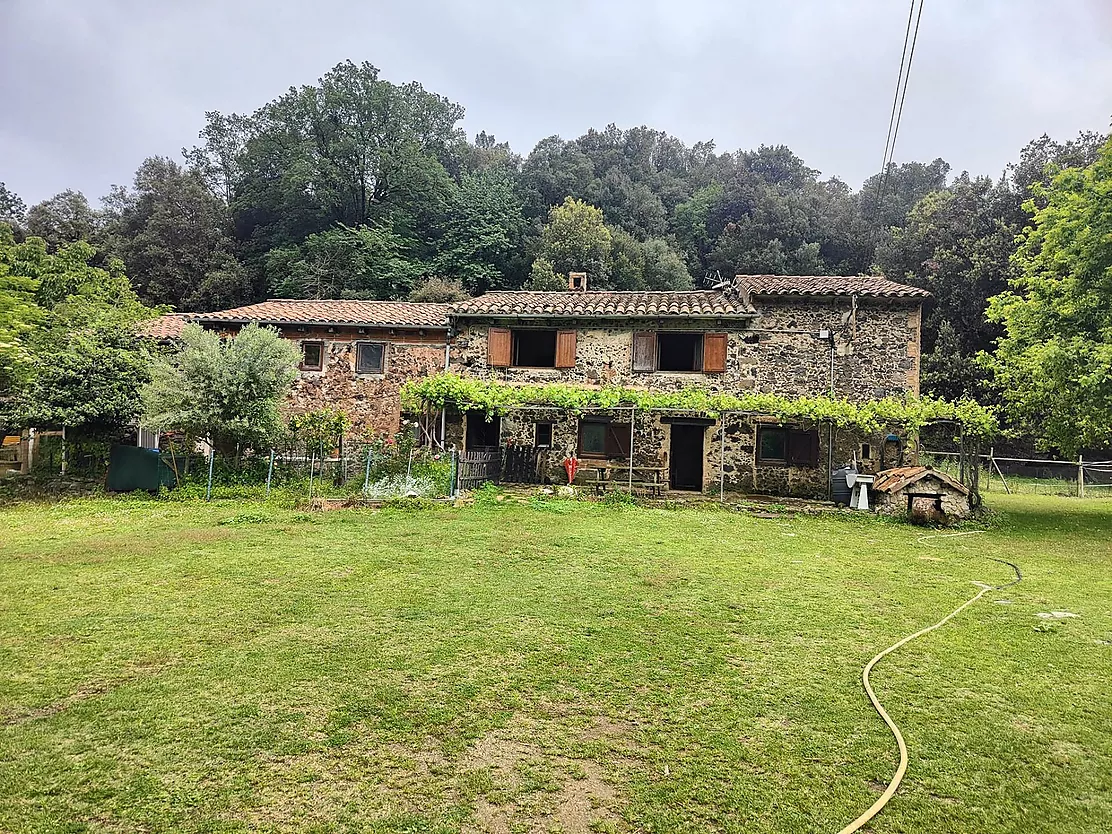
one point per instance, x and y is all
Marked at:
(893, 480)
(824, 285)
(163, 328)
(608, 304)
(333, 312)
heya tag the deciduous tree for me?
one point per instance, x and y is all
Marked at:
(64, 218)
(576, 239)
(87, 365)
(224, 390)
(174, 237)
(1054, 362)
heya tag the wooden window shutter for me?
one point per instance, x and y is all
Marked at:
(644, 351)
(714, 353)
(498, 347)
(803, 448)
(565, 348)
(617, 440)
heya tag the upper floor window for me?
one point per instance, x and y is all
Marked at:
(534, 348)
(312, 356)
(370, 357)
(679, 351)
(531, 348)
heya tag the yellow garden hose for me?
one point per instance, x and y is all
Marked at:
(890, 791)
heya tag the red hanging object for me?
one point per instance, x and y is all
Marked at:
(571, 466)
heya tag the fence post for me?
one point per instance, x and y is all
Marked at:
(367, 474)
(453, 487)
(312, 466)
(1080, 477)
(994, 464)
(212, 457)
(269, 473)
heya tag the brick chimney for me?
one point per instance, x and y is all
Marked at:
(577, 281)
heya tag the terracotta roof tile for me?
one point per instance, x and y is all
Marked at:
(166, 327)
(334, 311)
(608, 304)
(893, 480)
(825, 285)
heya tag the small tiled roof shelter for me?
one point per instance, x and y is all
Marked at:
(921, 493)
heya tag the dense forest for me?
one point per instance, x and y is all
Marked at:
(358, 187)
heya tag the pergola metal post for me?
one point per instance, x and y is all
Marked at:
(722, 457)
(632, 436)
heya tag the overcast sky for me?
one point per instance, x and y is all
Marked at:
(88, 89)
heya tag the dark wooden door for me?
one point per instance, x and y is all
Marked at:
(686, 457)
(483, 433)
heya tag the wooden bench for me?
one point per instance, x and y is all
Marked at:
(650, 479)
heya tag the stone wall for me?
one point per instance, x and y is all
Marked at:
(955, 505)
(875, 350)
(737, 461)
(371, 401)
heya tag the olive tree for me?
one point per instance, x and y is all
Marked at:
(227, 390)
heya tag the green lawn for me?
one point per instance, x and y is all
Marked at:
(565, 667)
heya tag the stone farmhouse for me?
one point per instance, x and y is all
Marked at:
(856, 337)
(355, 355)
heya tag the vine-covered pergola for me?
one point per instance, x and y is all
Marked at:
(974, 423)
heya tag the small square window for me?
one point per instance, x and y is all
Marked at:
(542, 434)
(312, 356)
(592, 440)
(773, 445)
(369, 357)
(866, 451)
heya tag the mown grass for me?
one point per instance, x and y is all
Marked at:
(555, 666)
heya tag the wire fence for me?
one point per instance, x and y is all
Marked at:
(1032, 476)
(365, 471)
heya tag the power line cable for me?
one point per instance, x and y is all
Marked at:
(903, 94)
(896, 94)
(898, 102)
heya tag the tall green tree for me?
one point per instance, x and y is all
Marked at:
(64, 218)
(483, 238)
(645, 265)
(956, 243)
(1054, 362)
(87, 366)
(19, 314)
(576, 239)
(352, 149)
(175, 238)
(887, 197)
(224, 390)
(12, 208)
(344, 262)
